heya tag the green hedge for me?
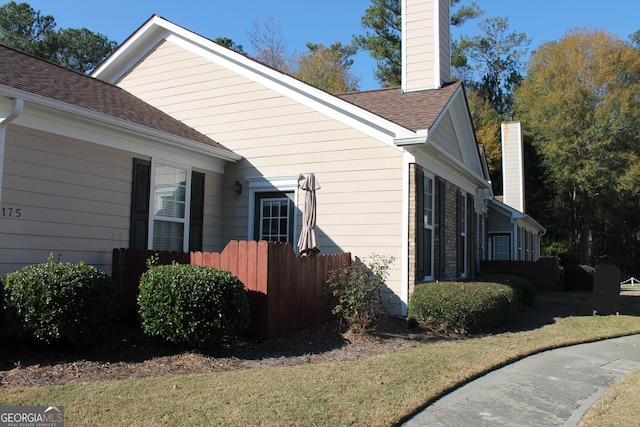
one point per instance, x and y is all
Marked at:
(525, 289)
(3, 326)
(191, 304)
(464, 306)
(60, 302)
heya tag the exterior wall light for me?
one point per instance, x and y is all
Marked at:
(237, 187)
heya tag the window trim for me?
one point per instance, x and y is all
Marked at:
(279, 197)
(266, 184)
(462, 229)
(493, 246)
(186, 220)
(426, 178)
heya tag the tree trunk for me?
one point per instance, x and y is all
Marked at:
(585, 249)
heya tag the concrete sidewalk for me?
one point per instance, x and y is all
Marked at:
(554, 388)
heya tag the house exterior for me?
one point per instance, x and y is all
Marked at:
(71, 148)
(178, 143)
(398, 168)
(512, 234)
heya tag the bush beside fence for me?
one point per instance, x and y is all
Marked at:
(286, 292)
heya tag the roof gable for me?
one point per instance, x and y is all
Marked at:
(414, 111)
(156, 30)
(388, 115)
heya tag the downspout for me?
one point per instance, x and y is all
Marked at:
(16, 109)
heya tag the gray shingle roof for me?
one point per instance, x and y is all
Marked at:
(412, 110)
(30, 74)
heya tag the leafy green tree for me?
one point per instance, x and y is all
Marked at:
(80, 49)
(23, 28)
(29, 30)
(384, 20)
(486, 122)
(230, 44)
(495, 60)
(635, 39)
(580, 101)
(327, 68)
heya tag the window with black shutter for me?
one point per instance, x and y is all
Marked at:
(167, 207)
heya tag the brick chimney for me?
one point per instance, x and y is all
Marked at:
(426, 44)
(512, 165)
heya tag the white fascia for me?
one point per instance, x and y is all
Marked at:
(17, 106)
(69, 120)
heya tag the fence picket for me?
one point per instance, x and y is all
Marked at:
(286, 292)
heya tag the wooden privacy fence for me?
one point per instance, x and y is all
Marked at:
(544, 273)
(286, 292)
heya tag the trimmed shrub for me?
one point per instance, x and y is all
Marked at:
(524, 288)
(466, 307)
(358, 292)
(190, 304)
(60, 302)
(3, 305)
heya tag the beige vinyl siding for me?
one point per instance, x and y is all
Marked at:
(445, 42)
(360, 203)
(512, 165)
(73, 197)
(420, 38)
(427, 40)
(445, 135)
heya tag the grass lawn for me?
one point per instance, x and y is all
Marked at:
(618, 406)
(381, 390)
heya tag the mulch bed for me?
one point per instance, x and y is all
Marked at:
(131, 354)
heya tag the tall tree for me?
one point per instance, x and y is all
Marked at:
(24, 28)
(495, 61)
(327, 68)
(230, 44)
(580, 100)
(635, 39)
(269, 46)
(80, 49)
(384, 20)
(29, 30)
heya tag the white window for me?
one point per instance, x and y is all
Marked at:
(272, 208)
(275, 222)
(427, 224)
(168, 225)
(500, 245)
(462, 246)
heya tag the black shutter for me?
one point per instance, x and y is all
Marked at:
(139, 230)
(472, 238)
(420, 255)
(196, 220)
(460, 242)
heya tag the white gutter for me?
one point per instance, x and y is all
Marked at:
(16, 109)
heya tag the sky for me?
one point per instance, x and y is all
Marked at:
(330, 21)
